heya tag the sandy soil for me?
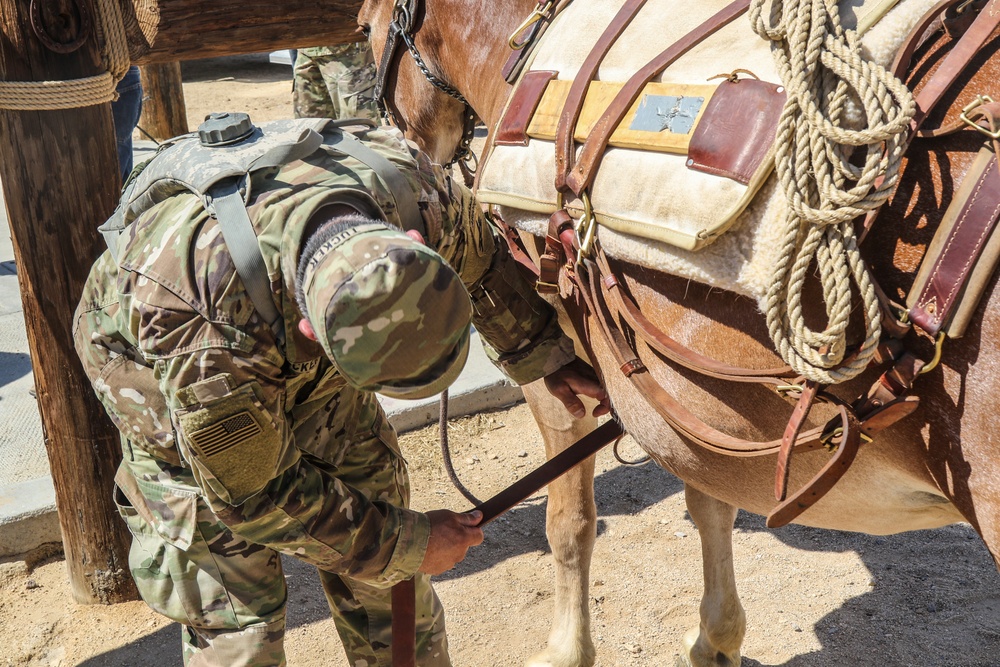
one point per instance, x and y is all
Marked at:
(813, 598)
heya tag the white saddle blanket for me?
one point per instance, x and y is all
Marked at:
(652, 209)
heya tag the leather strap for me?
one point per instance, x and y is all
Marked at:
(402, 21)
(552, 469)
(582, 174)
(956, 61)
(792, 430)
(976, 219)
(530, 37)
(565, 145)
(629, 311)
(824, 480)
(404, 624)
(914, 40)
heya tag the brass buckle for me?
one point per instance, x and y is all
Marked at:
(826, 439)
(534, 18)
(971, 122)
(938, 348)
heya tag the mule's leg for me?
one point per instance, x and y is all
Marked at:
(717, 639)
(571, 527)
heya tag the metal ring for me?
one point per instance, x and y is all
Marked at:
(83, 27)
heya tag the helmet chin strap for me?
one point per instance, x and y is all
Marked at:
(400, 33)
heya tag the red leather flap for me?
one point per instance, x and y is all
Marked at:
(513, 127)
(737, 129)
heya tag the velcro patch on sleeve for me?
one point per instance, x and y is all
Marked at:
(233, 445)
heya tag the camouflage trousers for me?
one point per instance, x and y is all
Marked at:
(335, 82)
(229, 594)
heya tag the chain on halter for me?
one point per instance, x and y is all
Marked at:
(402, 26)
(823, 71)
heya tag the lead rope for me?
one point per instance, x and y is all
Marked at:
(446, 453)
(821, 67)
(89, 91)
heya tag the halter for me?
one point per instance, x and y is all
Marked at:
(400, 32)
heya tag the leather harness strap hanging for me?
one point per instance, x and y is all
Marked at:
(565, 144)
(404, 593)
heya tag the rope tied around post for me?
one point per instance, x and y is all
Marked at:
(823, 71)
(88, 91)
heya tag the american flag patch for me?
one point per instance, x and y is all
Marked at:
(232, 431)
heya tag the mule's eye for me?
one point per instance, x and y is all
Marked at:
(366, 30)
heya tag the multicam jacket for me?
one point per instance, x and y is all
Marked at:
(174, 347)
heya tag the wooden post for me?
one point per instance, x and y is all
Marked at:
(172, 30)
(60, 178)
(164, 114)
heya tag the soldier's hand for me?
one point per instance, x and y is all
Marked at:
(577, 379)
(451, 536)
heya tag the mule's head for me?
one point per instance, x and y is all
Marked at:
(428, 116)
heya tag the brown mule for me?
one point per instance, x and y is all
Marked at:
(933, 468)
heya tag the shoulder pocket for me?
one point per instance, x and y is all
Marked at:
(229, 439)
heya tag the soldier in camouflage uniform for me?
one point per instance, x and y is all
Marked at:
(239, 446)
(335, 82)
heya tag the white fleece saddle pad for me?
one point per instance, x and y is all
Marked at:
(651, 206)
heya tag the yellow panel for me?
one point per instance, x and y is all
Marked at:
(599, 97)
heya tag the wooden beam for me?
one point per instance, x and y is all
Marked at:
(60, 180)
(164, 114)
(170, 30)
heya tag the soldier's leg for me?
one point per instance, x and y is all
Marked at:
(350, 78)
(363, 616)
(310, 96)
(228, 594)
(363, 613)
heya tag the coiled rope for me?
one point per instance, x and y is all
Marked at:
(821, 67)
(99, 89)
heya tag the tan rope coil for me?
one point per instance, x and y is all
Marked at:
(99, 89)
(821, 67)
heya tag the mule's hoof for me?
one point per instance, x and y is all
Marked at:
(696, 654)
(549, 658)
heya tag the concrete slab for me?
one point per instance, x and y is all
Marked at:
(28, 516)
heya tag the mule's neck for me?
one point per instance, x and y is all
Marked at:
(478, 31)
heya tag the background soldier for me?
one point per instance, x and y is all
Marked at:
(244, 438)
(335, 82)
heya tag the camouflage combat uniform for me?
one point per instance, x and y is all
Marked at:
(174, 347)
(335, 82)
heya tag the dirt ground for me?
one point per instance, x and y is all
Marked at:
(813, 598)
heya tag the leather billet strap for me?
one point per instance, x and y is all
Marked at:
(792, 429)
(579, 177)
(565, 145)
(974, 212)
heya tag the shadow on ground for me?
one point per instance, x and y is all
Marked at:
(13, 366)
(248, 68)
